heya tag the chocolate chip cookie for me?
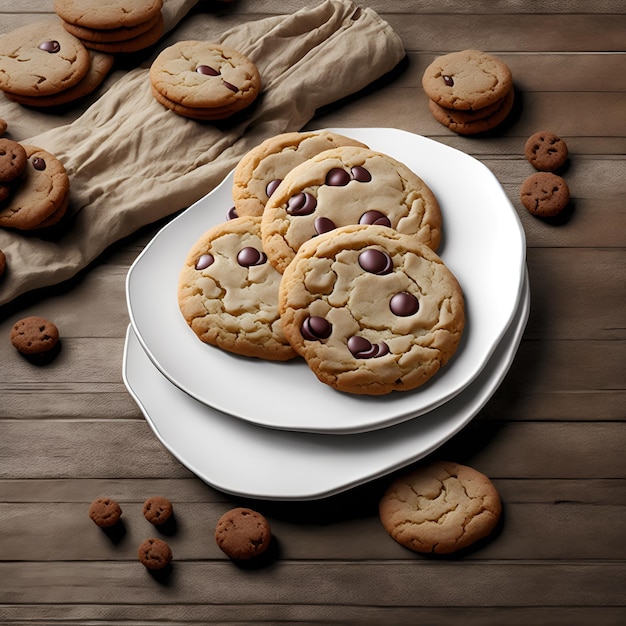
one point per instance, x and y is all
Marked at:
(546, 151)
(34, 335)
(545, 194)
(243, 533)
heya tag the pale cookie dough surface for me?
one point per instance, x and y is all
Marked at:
(205, 75)
(41, 192)
(111, 34)
(99, 14)
(344, 186)
(469, 79)
(263, 167)
(228, 292)
(371, 310)
(440, 508)
(41, 59)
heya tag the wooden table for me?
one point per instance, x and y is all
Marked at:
(552, 437)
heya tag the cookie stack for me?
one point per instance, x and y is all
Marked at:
(204, 81)
(339, 268)
(42, 65)
(115, 26)
(34, 187)
(469, 91)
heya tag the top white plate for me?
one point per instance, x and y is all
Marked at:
(483, 244)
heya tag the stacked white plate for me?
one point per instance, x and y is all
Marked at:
(271, 430)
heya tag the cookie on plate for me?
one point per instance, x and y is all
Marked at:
(41, 59)
(228, 292)
(440, 508)
(204, 80)
(343, 186)
(260, 171)
(243, 533)
(42, 194)
(546, 151)
(544, 194)
(371, 310)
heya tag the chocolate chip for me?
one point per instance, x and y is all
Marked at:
(207, 70)
(361, 348)
(230, 86)
(360, 174)
(248, 256)
(50, 46)
(404, 304)
(272, 186)
(374, 218)
(39, 164)
(204, 261)
(448, 80)
(301, 204)
(337, 177)
(315, 328)
(375, 261)
(232, 213)
(324, 225)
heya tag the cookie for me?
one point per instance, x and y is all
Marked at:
(140, 42)
(546, 151)
(243, 534)
(105, 512)
(12, 160)
(343, 186)
(467, 80)
(3, 127)
(42, 192)
(371, 310)
(198, 75)
(228, 292)
(41, 59)
(261, 169)
(473, 122)
(100, 66)
(111, 35)
(440, 508)
(98, 15)
(544, 194)
(154, 554)
(157, 510)
(34, 335)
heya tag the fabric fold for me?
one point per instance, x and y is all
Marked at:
(132, 162)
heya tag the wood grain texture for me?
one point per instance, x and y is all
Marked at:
(552, 437)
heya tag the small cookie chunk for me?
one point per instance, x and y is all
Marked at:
(544, 194)
(42, 191)
(105, 512)
(242, 533)
(41, 59)
(100, 15)
(440, 508)
(154, 554)
(34, 335)
(467, 80)
(205, 76)
(157, 510)
(12, 159)
(475, 121)
(260, 171)
(228, 292)
(546, 151)
(371, 310)
(343, 186)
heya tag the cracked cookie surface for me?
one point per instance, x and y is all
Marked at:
(371, 310)
(243, 533)
(345, 186)
(110, 14)
(228, 292)
(440, 508)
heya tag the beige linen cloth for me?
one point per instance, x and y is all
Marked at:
(131, 161)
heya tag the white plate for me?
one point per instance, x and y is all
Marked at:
(483, 244)
(242, 459)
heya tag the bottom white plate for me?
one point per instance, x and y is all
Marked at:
(240, 458)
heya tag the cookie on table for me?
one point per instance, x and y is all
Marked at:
(544, 194)
(3, 263)
(261, 169)
(546, 151)
(243, 533)
(98, 15)
(343, 186)
(34, 335)
(228, 292)
(467, 80)
(157, 510)
(204, 80)
(154, 554)
(99, 68)
(371, 310)
(13, 160)
(41, 59)
(440, 508)
(105, 512)
(42, 192)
